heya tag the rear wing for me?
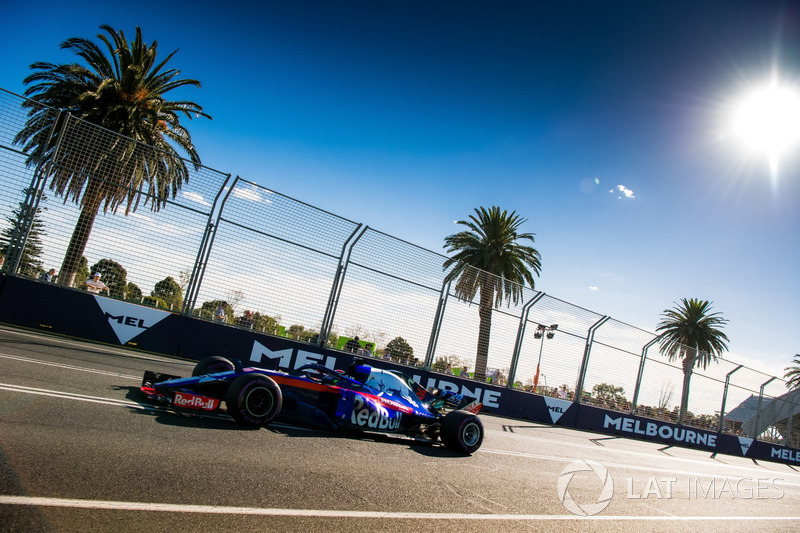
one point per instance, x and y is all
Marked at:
(451, 400)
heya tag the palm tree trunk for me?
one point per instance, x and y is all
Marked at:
(80, 235)
(688, 366)
(484, 330)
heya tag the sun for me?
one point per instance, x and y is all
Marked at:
(768, 120)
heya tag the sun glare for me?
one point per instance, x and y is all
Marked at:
(769, 120)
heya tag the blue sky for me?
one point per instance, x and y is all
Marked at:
(407, 115)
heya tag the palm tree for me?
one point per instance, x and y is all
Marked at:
(792, 375)
(690, 332)
(489, 261)
(121, 88)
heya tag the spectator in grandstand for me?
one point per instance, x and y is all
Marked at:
(94, 285)
(562, 393)
(246, 320)
(48, 276)
(352, 345)
(366, 350)
(219, 314)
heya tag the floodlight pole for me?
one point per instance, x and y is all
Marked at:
(542, 331)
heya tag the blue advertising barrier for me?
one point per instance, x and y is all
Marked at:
(42, 306)
(46, 307)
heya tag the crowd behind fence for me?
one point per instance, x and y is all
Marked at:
(285, 267)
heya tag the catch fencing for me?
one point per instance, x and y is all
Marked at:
(288, 268)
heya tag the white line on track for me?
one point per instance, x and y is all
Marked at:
(97, 347)
(71, 396)
(68, 367)
(662, 458)
(122, 403)
(647, 468)
(331, 513)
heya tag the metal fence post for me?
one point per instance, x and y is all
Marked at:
(758, 410)
(24, 223)
(585, 363)
(638, 386)
(338, 281)
(725, 397)
(787, 439)
(523, 322)
(437, 325)
(33, 195)
(199, 268)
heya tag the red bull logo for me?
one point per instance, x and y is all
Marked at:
(195, 401)
(367, 415)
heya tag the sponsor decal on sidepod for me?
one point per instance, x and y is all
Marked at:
(373, 415)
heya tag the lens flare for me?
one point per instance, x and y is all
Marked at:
(769, 120)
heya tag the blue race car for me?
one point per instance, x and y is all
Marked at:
(363, 398)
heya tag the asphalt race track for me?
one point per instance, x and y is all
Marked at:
(77, 447)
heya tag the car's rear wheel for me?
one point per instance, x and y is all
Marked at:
(254, 399)
(212, 365)
(461, 431)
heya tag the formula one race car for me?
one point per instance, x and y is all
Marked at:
(363, 399)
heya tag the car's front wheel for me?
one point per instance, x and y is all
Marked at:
(461, 431)
(212, 365)
(254, 399)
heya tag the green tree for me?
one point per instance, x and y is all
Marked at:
(296, 330)
(265, 323)
(792, 375)
(30, 263)
(691, 332)
(113, 275)
(153, 301)
(400, 349)
(168, 290)
(440, 363)
(608, 393)
(82, 274)
(122, 88)
(133, 292)
(490, 260)
(309, 335)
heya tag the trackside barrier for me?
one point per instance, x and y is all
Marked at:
(44, 307)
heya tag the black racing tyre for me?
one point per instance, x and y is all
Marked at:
(461, 431)
(212, 365)
(254, 399)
